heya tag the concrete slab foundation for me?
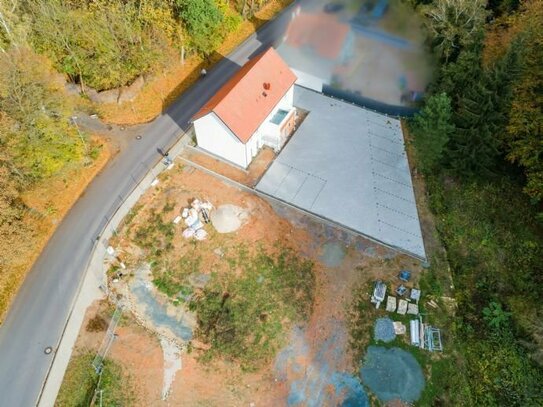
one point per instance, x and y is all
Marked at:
(349, 165)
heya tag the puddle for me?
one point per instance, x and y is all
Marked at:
(333, 254)
(156, 313)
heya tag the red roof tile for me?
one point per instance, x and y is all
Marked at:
(251, 94)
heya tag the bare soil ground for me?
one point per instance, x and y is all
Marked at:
(249, 177)
(314, 351)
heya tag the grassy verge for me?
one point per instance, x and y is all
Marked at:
(49, 202)
(163, 89)
(81, 382)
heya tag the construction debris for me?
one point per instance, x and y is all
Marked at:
(415, 332)
(195, 217)
(203, 209)
(188, 233)
(384, 330)
(391, 303)
(402, 307)
(404, 275)
(399, 328)
(379, 292)
(425, 336)
(432, 339)
(401, 290)
(413, 309)
(200, 234)
(415, 295)
(432, 304)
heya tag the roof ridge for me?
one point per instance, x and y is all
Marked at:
(245, 67)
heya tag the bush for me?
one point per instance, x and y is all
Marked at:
(501, 374)
(96, 324)
(203, 20)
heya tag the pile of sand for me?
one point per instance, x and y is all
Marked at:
(228, 218)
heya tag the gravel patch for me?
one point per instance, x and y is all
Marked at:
(384, 330)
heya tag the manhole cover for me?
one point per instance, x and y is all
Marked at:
(48, 350)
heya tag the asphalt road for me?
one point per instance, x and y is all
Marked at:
(39, 313)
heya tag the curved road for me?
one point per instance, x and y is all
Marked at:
(39, 313)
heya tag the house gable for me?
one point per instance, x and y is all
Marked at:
(214, 136)
(245, 101)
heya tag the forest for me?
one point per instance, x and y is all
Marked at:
(478, 141)
(479, 144)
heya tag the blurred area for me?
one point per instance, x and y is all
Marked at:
(364, 49)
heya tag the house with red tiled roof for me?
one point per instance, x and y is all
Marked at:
(253, 109)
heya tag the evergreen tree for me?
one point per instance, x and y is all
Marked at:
(473, 148)
(501, 78)
(482, 104)
(432, 128)
(453, 77)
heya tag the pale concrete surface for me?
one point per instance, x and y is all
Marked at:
(349, 165)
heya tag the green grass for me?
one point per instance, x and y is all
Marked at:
(156, 236)
(242, 315)
(81, 381)
(171, 278)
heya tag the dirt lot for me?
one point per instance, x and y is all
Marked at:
(249, 177)
(315, 352)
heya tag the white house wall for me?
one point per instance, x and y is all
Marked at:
(269, 129)
(214, 136)
(251, 147)
(287, 100)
